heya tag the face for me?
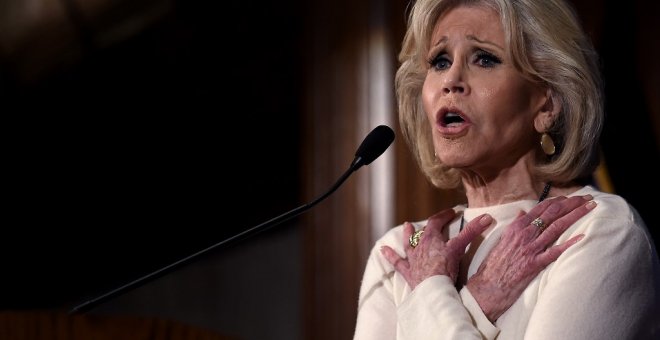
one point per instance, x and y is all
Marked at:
(480, 108)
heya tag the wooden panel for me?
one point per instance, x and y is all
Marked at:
(336, 230)
(51, 325)
(337, 233)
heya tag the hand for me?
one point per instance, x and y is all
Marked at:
(434, 255)
(522, 253)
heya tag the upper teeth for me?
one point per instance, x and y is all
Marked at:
(452, 114)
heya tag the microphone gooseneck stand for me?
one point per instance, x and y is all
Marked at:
(376, 142)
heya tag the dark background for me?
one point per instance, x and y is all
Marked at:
(121, 157)
(148, 150)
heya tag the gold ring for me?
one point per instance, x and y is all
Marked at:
(538, 222)
(414, 238)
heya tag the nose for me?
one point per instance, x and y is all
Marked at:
(454, 81)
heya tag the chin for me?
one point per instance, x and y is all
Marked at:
(454, 161)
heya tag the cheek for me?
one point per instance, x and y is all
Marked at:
(488, 94)
(513, 97)
(429, 97)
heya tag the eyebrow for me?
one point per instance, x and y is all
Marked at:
(471, 38)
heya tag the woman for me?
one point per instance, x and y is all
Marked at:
(503, 97)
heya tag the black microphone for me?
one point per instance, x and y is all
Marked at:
(376, 142)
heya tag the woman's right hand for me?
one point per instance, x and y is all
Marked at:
(522, 252)
(434, 255)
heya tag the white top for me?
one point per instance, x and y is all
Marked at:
(607, 286)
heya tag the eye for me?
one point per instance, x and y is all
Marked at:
(440, 62)
(486, 59)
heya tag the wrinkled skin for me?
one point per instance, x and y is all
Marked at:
(522, 252)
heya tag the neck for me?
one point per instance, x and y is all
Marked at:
(487, 187)
(489, 195)
(544, 195)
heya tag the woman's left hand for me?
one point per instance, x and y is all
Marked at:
(524, 250)
(434, 254)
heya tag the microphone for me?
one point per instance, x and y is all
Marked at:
(376, 142)
(373, 145)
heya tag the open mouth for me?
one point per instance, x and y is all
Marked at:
(451, 117)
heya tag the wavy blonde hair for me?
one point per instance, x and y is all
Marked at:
(547, 46)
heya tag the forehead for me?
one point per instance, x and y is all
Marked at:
(480, 22)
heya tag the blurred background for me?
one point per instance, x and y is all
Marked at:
(139, 132)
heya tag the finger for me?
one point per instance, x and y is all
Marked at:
(474, 228)
(555, 210)
(551, 254)
(524, 220)
(520, 215)
(561, 208)
(408, 229)
(400, 264)
(559, 226)
(438, 221)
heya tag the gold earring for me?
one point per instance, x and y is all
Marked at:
(547, 144)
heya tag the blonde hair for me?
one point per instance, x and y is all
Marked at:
(547, 46)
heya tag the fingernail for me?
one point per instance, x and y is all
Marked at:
(485, 220)
(587, 197)
(590, 205)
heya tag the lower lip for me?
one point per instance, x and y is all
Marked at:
(453, 130)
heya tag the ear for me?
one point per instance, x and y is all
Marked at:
(548, 112)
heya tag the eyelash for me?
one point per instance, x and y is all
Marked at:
(487, 59)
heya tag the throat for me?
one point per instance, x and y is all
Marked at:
(542, 197)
